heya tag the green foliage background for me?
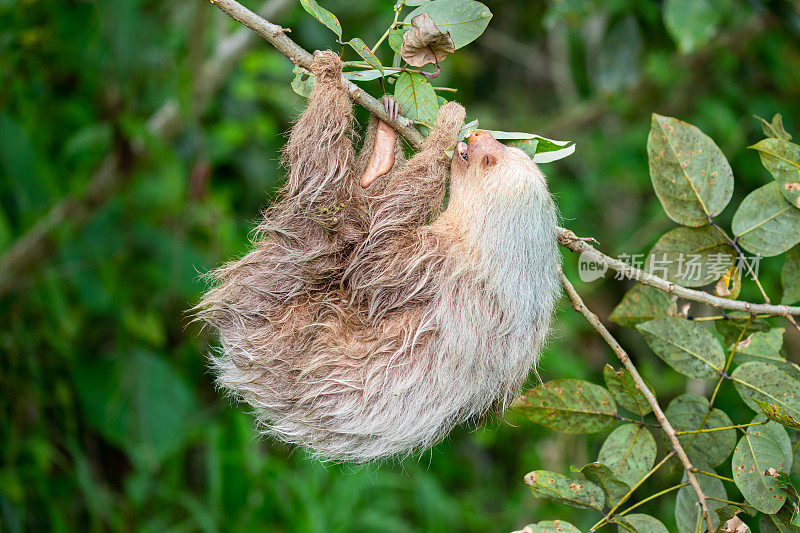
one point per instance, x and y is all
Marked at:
(108, 416)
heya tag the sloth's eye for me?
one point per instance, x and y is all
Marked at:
(489, 160)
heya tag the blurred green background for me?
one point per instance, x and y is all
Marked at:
(108, 416)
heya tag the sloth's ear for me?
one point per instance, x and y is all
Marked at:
(489, 160)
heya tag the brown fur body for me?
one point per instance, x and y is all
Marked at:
(365, 323)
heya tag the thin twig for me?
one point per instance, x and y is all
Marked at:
(595, 322)
(569, 240)
(711, 430)
(653, 497)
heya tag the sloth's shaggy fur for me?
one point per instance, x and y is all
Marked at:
(366, 324)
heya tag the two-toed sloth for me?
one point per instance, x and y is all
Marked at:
(366, 322)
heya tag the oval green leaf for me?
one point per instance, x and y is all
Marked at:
(689, 412)
(641, 304)
(323, 15)
(755, 453)
(579, 493)
(569, 406)
(731, 327)
(416, 95)
(691, 257)
(691, 23)
(765, 347)
(782, 159)
(395, 39)
(690, 175)
(766, 223)
(625, 391)
(630, 452)
(779, 434)
(790, 277)
(684, 345)
(769, 384)
(644, 523)
(550, 526)
(687, 511)
(464, 19)
(603, 477)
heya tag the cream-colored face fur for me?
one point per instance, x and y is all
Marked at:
(366, 323)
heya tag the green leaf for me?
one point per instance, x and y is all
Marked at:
(366, 54)
(641, 304)
(775, 128)
(630, 452)
(692, 23)
(467, 129)
(777, 433)
(603, 477)
(579, 493)
(303, 82)
(794, 438)
(731, 327)
(569, 406)
(769, 384)
(395, 39)
(777, 523)
(766, 223)
(644, 523)
(625, 392)
(691, 257)
(416, 95)
(323, 15)
(540, 149)
(690, 412)
(370, 74)
(687, 511)
(684, 345)
(765, 347)
(755, 453)
(551, 526)
(790, 277)
(690, 174)
(466, 20)
(782, 159)
(726, 513)
(777, 413)
(139, 403)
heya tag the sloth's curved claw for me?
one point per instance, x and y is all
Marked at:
(391, 106)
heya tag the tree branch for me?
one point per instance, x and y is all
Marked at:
(569, 240)
(595, 322)
(276, 35)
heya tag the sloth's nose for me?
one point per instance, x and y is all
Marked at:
(478, 135)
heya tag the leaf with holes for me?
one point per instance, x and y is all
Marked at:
(754, 455)
(690, 412)
(416, 95)
(625, 391)
(630, 452)
(603, 477)
(569, 406)
(644, 523)
(690, 175)
(790, 277)
(465, 20)
(684, 345)
(769, 384)
(303, 82)
(691, 257)
(765, 223)
(425, 43)
(641, 304)
(579, 493)
(782, 159)
(323, 15)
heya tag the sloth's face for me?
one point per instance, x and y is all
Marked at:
(485, 167)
